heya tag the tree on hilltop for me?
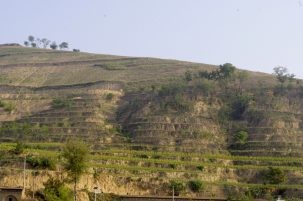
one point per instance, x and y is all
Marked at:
(31, 38)
(45, 42)
(282, 76)
(53, 45)
(225, 72)
(63, 45)
(26, 43)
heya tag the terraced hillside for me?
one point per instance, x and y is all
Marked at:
(151, 122)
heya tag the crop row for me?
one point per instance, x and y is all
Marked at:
(213, 164)
(128, 151)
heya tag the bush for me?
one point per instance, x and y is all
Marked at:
(142, 156)
(62, 103)
(254, 117)
(19, 148)
(200, 167)
(241, 137)
(225, 71)
(8, 107)
(195, 185)
(177, 186)
(55, 190)
(259, 191)
(188, 76)
(206, 86)
(172, 89)
(42, 162)
(274, 176)
(109, 96)
(239, 105)
(177, 102)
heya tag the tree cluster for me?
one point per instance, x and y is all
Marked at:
(225, 71)
(45, 43)
(283, 77)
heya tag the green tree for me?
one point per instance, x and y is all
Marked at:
(196, 185)
(239, 104)
(188, 76)
(177, 186)
(282, 76)
(75, 155)
(241, 137)
(63, 45)
(53, 45)
(274, 176)
(31, 39)
(34, 44)
(55, 190)
(26, 43)
(226, 71)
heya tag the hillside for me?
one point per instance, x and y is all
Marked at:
(150, 121)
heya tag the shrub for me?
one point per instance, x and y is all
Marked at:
(8, 107)
(195, 185)
(156, 156)
(206, 86)
(239, 105)
(172, 89)
(200, 167)
(142, 156)
(254, 117)
(56, 190)
(259, 191)
(177, 102)
(177, 186)
(225, 71)
(62, 103)
(19, 148)
(274, 176)
(42, 162)
(241, 137)
(188, 76)
(173, 166)
(109, 96)
(224, 114)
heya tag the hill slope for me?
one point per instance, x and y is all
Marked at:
(151, 115)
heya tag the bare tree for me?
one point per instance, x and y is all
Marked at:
(45, 42)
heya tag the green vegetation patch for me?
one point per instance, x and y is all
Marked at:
(62, 103)
(7, 106)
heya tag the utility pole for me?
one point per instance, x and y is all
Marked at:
(24, 167)
(96, 191)
(173, 193)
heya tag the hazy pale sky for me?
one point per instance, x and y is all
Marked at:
(251, 34)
